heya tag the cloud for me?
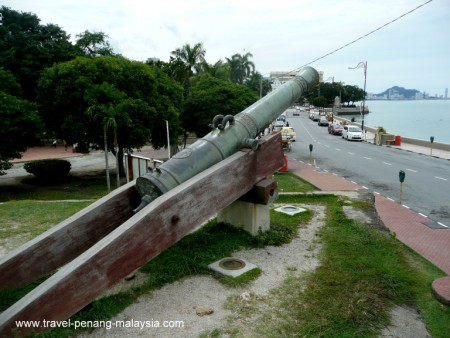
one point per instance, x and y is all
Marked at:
(284, 35)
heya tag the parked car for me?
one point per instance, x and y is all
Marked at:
(352, 133)
(323, 121)
(335, 129)
(289, 132)
(280, 121)
(314, 115)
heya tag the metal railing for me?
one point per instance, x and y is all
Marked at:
(136, 166)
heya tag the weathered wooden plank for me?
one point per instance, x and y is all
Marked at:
(142, 237)
(68, 239)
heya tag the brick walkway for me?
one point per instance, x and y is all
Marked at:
(410, 228)
(40, 153)
(323, 180)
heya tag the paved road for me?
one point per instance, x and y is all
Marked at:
(427, 185)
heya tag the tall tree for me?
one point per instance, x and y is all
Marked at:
(20, 124)
(212, 96)
(104, 103)
(187, 62)
(93, 44)
(27, 47)
(240, 67)
(257, 82)
(218, 70)
(150, 99)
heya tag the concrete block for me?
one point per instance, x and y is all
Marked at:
(249, 216)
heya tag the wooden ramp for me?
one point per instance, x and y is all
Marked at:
(126, 243)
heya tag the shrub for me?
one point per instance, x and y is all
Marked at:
(49, 169)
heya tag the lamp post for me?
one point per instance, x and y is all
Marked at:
(362, 65)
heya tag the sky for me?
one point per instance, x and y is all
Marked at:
(329, 35)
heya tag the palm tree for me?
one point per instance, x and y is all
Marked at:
(103, 104)
(240, 67)
(191, 60)
(218, 70)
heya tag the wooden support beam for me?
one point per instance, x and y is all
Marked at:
(145, 235)
(67, 240)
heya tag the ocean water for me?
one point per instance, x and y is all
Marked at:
(415, 118)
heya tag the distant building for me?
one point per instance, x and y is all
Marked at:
(276, 79)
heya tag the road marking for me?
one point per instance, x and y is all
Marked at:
(364, 187)
(414, 171)
(335, 174)
(423, 215)
(337, 149)
(375, 192)
(367, 158)
(387, 163)
(442, 224)
(390, 199)
(351, 153)
(325, 170)
(440, 178)
(406, 206)
(326, 145)
(353, 182)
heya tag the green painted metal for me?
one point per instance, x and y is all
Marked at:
(229, 134)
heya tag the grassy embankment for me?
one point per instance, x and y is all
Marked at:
(363, 271)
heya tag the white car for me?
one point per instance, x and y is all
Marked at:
(352, 133)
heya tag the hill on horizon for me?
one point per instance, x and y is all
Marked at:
(399, 91)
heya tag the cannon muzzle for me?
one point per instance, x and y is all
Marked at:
(229, 135)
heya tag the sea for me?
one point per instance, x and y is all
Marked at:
(419, 119)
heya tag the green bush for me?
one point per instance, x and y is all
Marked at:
(50, 169)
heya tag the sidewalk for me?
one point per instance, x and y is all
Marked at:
(409, 227)
(370, 138)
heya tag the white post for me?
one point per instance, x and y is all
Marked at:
(168, 138)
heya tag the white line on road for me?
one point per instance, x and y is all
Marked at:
(423, 215)
(364, 187)
(390, 199)
(335, 174)
(442, 224)
(353, 182)
(367, 158)
(351, 153)
(387, 163)
(414, 171)
(440, 178)
(337, 149)
(406, 206)
(326, 145)
(376, 192)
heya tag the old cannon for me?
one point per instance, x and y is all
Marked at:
(103, 243)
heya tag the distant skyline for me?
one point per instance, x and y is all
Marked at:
(412, 52)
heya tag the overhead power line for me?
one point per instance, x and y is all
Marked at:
(361, 37)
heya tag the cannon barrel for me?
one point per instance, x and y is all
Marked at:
(229, 134)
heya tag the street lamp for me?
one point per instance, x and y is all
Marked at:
(362, 65)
